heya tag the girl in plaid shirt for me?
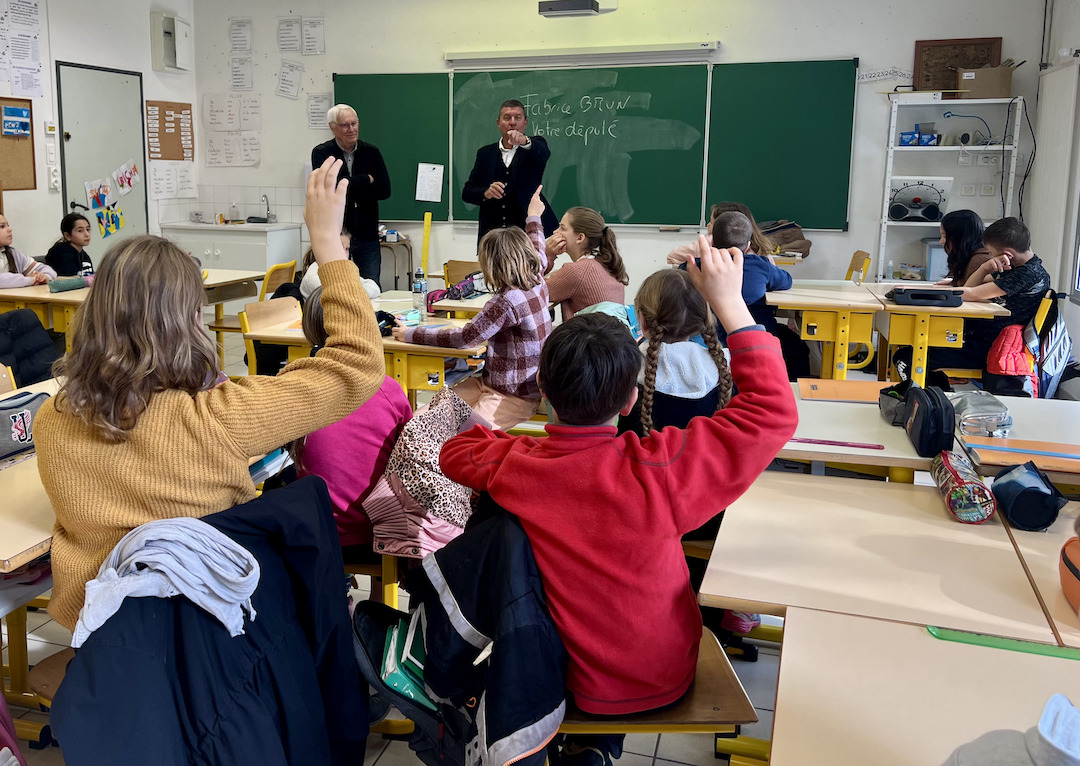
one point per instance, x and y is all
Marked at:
(515, 323)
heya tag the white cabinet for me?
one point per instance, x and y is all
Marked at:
(979, 174)
(248, 246)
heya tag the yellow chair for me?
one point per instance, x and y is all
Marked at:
(258, 316)
(1039, 321)
(857, 270)
(7, 380)
(455, 271)
(384, 579)
(274, 278)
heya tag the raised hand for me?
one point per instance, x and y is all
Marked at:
(536, 205)
(719, 280)
(324, 210)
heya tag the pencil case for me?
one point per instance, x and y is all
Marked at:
(924, 296)
(966, 497)
(980, 413)
(63, 285)
(409, 318)
(892, 401)
(929, 420)
(17, 415)
(1028, 499)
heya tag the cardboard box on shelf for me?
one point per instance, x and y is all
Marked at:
(988, 82)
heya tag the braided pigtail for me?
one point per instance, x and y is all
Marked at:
(716, 351)
(652, 356)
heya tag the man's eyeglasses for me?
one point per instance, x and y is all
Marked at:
(348, 125)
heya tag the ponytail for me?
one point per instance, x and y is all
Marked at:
(608, 256)
(600, 239)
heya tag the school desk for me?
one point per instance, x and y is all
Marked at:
(834, 311)
(465, 307)
(220, 285)
(415, 366)
(854, 691)
(1040, 552)
(850, 424)
(923, 327)
(1044, 424)
(872, 549)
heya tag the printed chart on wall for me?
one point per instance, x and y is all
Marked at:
(170, 137)
(233, 129)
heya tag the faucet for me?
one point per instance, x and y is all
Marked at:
(267, 201)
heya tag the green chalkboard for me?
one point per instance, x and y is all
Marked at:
(627, 141)
(408, 117)
(780, 139)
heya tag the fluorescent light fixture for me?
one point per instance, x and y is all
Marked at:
(553, 8)
(682, 51)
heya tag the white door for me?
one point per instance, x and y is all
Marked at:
(101, 129)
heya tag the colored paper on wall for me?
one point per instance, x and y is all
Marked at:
(126, 176)
(99, 193)
(110, 220)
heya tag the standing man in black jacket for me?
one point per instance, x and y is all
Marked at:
(368, 183)
(506, 174)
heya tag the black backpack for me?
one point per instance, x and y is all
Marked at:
(929, 420)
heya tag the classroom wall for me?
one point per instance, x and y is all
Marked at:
(412, 35)
(114, 34)
(1065, 33)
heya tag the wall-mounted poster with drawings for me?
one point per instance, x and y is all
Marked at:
(110, 220)
(126, 176)
(99, 193)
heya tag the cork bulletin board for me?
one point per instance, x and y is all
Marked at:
(169, 131)
(936, 61)
(17, 153)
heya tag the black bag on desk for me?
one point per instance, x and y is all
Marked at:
(925, 296)
(929, 420)
(1027, 498)
(17, 415)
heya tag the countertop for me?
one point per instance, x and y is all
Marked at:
(215, 227)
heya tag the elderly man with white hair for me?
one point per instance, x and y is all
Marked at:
(368, 183)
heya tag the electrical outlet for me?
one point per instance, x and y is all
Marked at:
(967, 190)
(964, 159)
(987, 190)
(985, 159)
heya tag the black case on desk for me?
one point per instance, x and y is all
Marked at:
(925, 296)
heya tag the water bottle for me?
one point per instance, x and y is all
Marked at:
(419, 292)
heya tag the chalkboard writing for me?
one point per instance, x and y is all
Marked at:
(611, 132)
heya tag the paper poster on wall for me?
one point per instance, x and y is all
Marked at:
(289, 34)
(99, 193)
(314, 36)
(241, 76)
(251, 113)
(20, 48)
(240, 35)
(5, 57)
(429, 184)
(110, 220)
(318, 104)
(227, 112)
(126, 176)
(289, 79)
(239, 149)
(16, 121)
(172, 180)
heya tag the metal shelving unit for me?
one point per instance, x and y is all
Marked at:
(986, 161)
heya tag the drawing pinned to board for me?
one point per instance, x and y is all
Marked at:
(99, 193)
(110, 220)
(126, 176)
(17, 121)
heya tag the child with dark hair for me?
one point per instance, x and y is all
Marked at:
(605, 512)
(962, 238)
(68, 256)
(1012, 276)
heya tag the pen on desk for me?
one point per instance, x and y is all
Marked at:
(831, 443)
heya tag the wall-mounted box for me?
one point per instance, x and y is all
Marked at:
(171, 44)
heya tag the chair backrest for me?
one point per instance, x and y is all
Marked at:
(456, 271)
(257, 316)
(860, 264)
(276, 276)
(7, 380)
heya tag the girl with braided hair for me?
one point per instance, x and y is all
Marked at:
(680, 378)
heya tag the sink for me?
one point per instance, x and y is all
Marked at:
(255, 219)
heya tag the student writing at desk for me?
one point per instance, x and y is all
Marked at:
(1014, 277)
(147, 427)
(16, 269)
